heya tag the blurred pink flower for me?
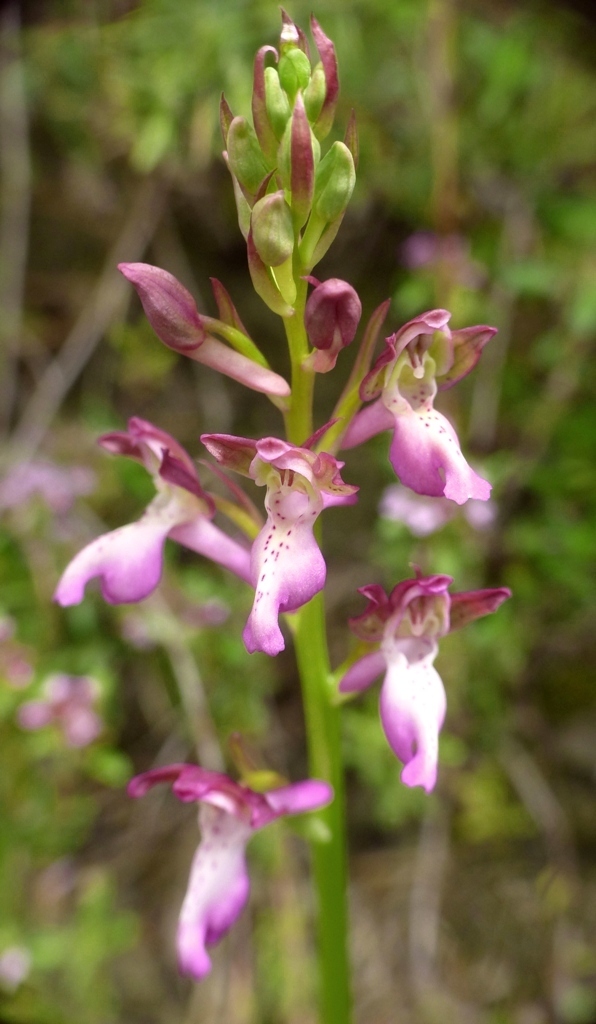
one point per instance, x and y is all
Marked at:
(423, 516)
(15, 965)
(69, 703)
(57, 486)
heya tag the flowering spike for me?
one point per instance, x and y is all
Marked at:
(302, 174)
(331, 318)
(263, 127)
(329, 61)
(229, 815)
(407, 625)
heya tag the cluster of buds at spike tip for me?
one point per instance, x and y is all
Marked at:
(287, 197)
(405, 628)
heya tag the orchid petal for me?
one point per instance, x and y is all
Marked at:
(288, 570)
(412, 708)
(308, 795)
(363, 673)
(128, 562)
(202, 536)
(371, 420)
(426, 456)
(217, 890)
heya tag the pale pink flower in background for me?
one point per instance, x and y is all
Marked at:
(424, 516)
(68, 702)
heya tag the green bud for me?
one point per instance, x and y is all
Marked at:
(244, 155)
(314, 94)
(284, 166)
(272, 229)
(277, 104)
(294, 71)
(334, 182)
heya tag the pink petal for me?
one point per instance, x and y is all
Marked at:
(371, 420)
(363, 673)
(217, 889)
(128, 562)
(308, 795)
(413, 708)
(288, 570)
(426, 456)
(202, 536)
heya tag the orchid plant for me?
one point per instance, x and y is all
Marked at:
(291, 198)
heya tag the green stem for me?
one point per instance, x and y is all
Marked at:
(299, 425)
(329, 857)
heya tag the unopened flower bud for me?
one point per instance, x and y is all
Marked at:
(314, 94)
(334, 182)
(278, 106)
(246, 160)
(329, 61)
(294, 71)
(331, 318)
(272, 229)
(169, 307)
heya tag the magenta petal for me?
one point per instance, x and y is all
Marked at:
(413, 708)
(299, 797)
(288, 569)
(202, 536)
(363, 673)
(217, 889)
(371, 420)
(128, 562)
(426, 456)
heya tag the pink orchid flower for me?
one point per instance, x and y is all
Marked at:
(406, 626)
(229, 815)
(129, 560)
(287, 567)
(423, 357)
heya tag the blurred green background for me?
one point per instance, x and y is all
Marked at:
(476, 191)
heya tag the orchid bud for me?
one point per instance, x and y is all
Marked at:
(329, 61)
(334, 182)
(272, 229)
(331, 318)
(294, 71)
(277, 104)
(169, 307)
(263, 127)
(245, 158)
(314, 94)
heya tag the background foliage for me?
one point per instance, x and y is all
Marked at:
(475, 192)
